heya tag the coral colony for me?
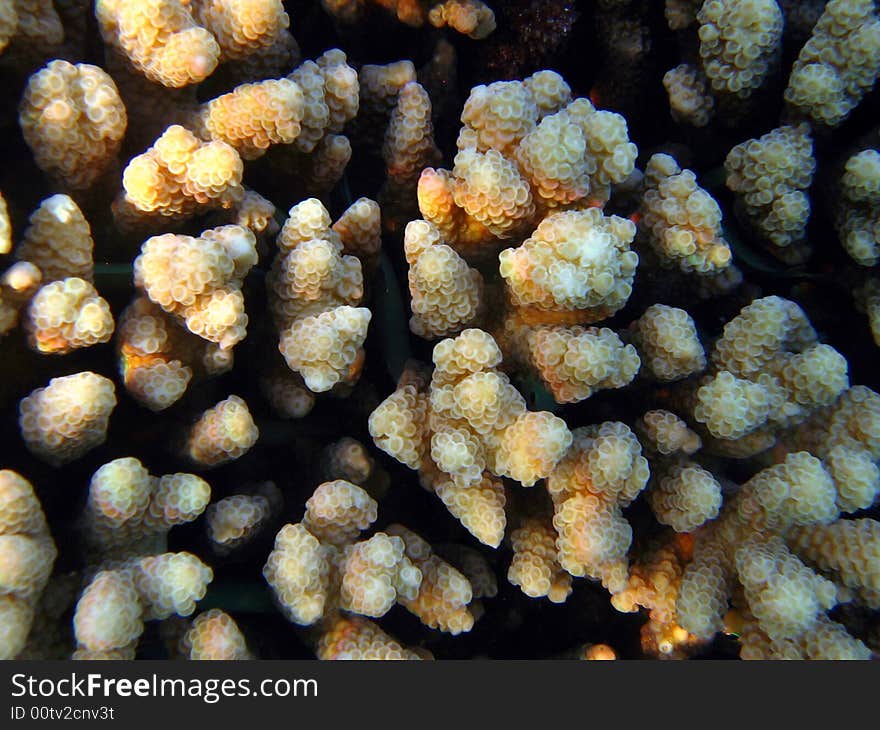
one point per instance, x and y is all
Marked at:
(499, 383)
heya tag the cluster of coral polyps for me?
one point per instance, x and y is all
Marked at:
(319, 567)
(629, 408)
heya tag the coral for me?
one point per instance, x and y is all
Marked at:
(58, 241)
(857, 209)
(313, 289)
(524, 147)
(235, 520)
(447, 295)
(770, 176)
(67, 418)
(471, 419)
(66, 315)
(575, 362)
(73, 120)
(27, 555)
(602, 472)
(837, 65)
(689, 100)
(667, 342)
(575, 261)
(223, 433)
(355, 638)
(535, 567)
(738, 43)
(160, 38)
(472, 17)
(199, 279)
(214, 636)
(178, 177)
(681, 221)
(253, 116)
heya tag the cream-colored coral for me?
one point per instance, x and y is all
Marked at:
(360, 230)
(399, 425)
(784, 595)
(338, 511)
(66, 315)
(763, 328)
(170, 583)
(129, 512)
(689, 100)
(479, 507)
(653, 583)
(58, 241)
(447, 295)
(108, 614)
(409, 140)
(152, 356)
(739, 42)
(199, 279)
(663, 432)
(67, 418)
(470, 420)
(375, 574)
(838, 64)
(686, 496)
(325, 348)
(490, 189)
(524, 147)
(313, 291)
(298, 571)
(222, 434)
(770, 176)
(799, 491)
(770, 371)
(535, 568)
(73, 120)
(356, 638)
(233, 521)
(668, 344)
(575, 362)
(731, 407)
(574, 260)
(214, 636)
(824, 640)
(160, 38)
(27, 556)
(444, 593)
(705, 587)
(341, 88)
(856, 477)
(17, 285)
(242, 27)
(857, 209)
(315, 112)
(253, 116)
(177, 177)
(602, 472)
(497, 116)
(472, 17)
(848, 551)
(681, 221)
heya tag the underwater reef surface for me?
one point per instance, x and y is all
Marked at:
(439, 329)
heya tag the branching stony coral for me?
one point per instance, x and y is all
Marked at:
(724, 474)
